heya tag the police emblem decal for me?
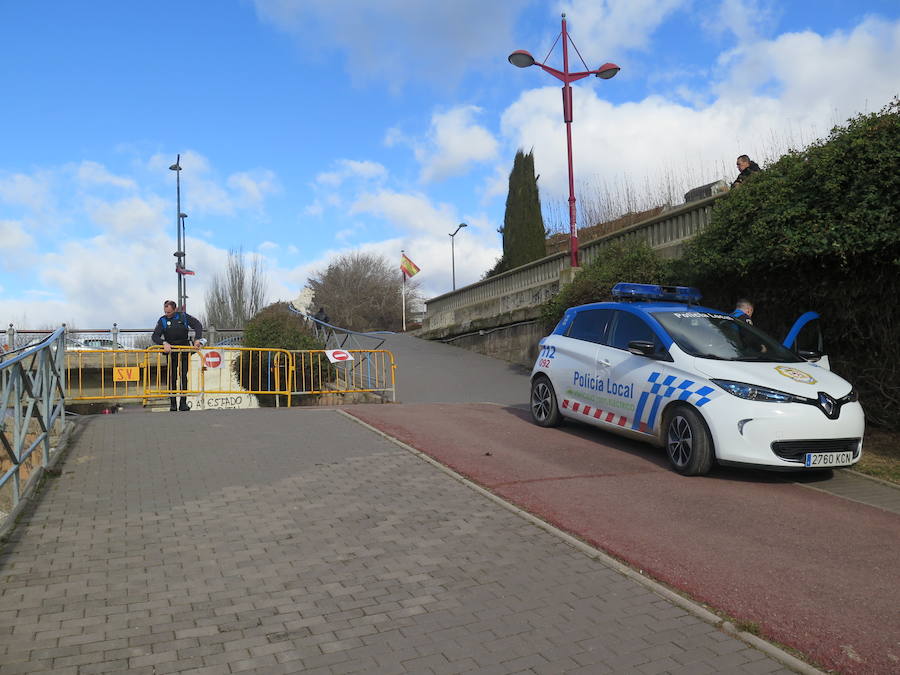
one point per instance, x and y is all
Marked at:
(796, 375)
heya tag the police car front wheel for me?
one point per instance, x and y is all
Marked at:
(544, 409)
(688, 443)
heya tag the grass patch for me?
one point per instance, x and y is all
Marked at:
(881, 455)
(745, 626)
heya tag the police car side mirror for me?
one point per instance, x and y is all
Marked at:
(642, 348)
(809, 355)
(649, 349)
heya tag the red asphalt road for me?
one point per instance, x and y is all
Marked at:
(816, 572)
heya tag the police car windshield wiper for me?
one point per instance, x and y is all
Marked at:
(711, 356)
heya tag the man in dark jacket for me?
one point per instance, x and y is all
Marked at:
(743, 311)
(172, 331)
(746, 166)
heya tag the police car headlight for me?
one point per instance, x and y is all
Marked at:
(753, 392)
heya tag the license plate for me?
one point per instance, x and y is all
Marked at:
(824, 459)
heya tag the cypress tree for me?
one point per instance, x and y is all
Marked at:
(523, 225)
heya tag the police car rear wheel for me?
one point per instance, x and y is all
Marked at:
(544, 410)
(688, 443)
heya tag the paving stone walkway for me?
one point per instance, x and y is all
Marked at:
(285, 541)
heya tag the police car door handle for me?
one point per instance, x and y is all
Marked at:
(603, 362)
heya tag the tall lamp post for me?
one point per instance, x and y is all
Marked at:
(523, 59)
(180, 267)
(453, 252)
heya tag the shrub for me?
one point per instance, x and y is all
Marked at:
(637, 263)
(276, 327)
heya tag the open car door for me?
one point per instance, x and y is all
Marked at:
(805, 338)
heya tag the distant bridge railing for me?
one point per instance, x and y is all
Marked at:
(32, 405)
(527, 287)
(111, 338)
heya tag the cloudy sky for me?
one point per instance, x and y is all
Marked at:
(308, 128)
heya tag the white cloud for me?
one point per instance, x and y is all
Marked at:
(131, 215)
(406, 212)
(32, 192)
(441, 39)
(747, 20)
(94, 173)
(454, 142)
(345, 169)
(251, 188)
(314, 209)
(13, 236)
(616, 24)
(202, 192)
(497, 184)
(268, 246)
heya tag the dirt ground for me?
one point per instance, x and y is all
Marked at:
(881, 455)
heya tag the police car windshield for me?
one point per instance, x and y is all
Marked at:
(711, 335)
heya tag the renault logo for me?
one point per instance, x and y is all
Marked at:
(826, 403)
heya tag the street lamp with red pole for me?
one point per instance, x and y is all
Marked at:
(523, 59)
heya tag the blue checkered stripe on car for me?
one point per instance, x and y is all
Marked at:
(663, 387)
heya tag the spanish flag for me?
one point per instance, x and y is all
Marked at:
(408, 267)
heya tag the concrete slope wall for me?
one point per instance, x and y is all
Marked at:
(516, 296)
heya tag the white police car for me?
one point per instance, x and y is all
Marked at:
(655, 366)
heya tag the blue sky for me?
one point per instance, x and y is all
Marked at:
(309, 128)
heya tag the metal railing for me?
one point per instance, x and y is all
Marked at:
(143, 374)
(32, 405)
(368, 371)
(335, 337)
(123, 374)
(110, 338)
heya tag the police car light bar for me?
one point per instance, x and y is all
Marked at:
(627, 291)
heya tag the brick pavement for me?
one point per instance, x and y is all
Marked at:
(274, 541)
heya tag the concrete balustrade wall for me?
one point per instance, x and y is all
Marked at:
(470, 315)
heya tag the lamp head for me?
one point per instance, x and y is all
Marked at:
(175, 167)
(182, 215)
(607, 71)
(521, 59)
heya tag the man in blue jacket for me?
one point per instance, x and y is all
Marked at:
(172, 331)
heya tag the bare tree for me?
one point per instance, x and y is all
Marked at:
(362, 291)
(237, 293)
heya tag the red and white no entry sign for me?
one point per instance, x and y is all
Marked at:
(212, 359)
(338, 355)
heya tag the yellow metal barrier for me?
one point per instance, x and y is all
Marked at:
(356, 371)
(227, 377)
(104, 374)
(122, 374)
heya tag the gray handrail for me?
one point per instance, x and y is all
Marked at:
(32, 405)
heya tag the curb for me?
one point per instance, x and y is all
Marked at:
(694, 608)
(874, 479)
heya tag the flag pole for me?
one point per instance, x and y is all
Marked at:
(403, 291)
